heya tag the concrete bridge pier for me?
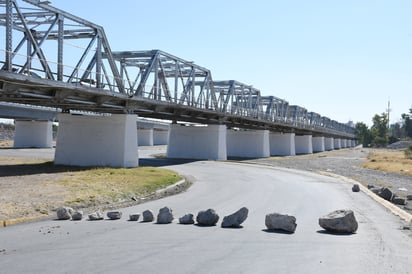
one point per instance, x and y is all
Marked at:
(97, 140)
(343, 143)
(197, 142)
(303, 144)
(145, 137)
(248, 143)
(38, 134)
(318, 144)
(329, 144)
(160, 137)
(282, 144)
(337, 143)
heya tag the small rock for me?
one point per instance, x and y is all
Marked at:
(96, 216)
(355, 188)
(386, 194)
(64, 213)
(276, 221)
(235, 219)
(339, 221)
(77, 215)
(148, 216)
(399, 201)
(409, 197)
(371, 186)
(165, 215)
(114, 215)
(187, 219)
(134, 217)
(207, 217)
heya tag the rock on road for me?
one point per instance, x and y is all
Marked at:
(379, 245)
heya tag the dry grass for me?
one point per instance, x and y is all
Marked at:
(389, 160)
(36, 187)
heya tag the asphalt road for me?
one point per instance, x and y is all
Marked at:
(379, 246)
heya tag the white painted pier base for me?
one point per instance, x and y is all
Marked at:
(197, 142)
(329, 144)
(145, 136)
(248, 143)
(303, 144)
(318, 144)
(160, 137)
(282, 144)
(38, 134)
(343, 143)
(97, 140)
(337, 143)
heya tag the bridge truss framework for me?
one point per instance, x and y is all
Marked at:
(55, 59)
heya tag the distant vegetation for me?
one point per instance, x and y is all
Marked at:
(408, 153)
(380, 135)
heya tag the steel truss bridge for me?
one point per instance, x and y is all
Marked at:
(52, 58)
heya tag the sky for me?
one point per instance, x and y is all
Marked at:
(342, 59)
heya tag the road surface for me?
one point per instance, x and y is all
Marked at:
(379, 246)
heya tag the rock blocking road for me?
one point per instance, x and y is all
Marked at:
(123, 246)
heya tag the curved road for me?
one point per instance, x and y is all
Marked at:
(379, 246)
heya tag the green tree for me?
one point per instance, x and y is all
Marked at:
(380, 130)
(407, 123)
(363, 134)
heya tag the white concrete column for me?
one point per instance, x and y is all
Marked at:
(344, 143)
(337, 143)
(329, 144)
(303, 144)
(97, 140)
(145, 136)
(248, 143)
(318, 144)
(197, 142)
(282, 144)
(160, 137)
(38, 134)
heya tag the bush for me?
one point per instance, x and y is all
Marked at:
(408, 153)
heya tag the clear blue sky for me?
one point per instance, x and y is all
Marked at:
(341, 59)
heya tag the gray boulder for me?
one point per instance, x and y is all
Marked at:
(134, 217)
(165, 215)
(96, 216)
(339, 221)
(207, 217)
(148, 216)
(77, 215)
(64, 213)
(187, 219)
(399, 201)
(355, 188)
(114, 215)
(408, 197)
(235, 219)
(276, 221)
(386, 194)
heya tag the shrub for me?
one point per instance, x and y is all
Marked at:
(408, 153)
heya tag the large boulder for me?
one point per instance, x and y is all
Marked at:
(235, 219)
(339, 221)
(148, 216)
(114, 215)
(276, 221)
(134, 217)
(187, 219)
(399, 201)
(355, 188)
(207, 217)
(64, 213)
(96, 216)
(386, 194)
(77, 215)
(165, 215)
